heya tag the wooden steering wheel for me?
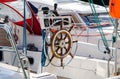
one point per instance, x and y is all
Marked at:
(60, 43)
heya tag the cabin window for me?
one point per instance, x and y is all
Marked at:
(91, 20)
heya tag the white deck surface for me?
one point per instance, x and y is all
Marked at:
(9, 72)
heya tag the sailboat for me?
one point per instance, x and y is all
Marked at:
(57, 40)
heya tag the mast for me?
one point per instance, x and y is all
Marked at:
(24, 31)
(25, 39)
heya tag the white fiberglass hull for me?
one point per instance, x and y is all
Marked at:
(11, 72)
(83, 68)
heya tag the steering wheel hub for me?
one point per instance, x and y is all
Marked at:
(62, 44)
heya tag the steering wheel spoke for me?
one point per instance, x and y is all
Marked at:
(71, 55)
(51, 58)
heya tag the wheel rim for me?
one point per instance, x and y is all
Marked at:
(61, 44)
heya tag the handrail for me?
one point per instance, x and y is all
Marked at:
(12, 41)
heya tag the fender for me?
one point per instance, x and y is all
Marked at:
(114, 6)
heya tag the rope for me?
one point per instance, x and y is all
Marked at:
(98, 26)
(114, 38)
(44, 49)
(107, 12)
(113, 35)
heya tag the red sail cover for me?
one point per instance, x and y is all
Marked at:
(36, 25)
(114, 6)
(6, 0)
(31, 22)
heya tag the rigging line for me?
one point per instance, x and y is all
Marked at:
(107, 12)
(113, 35)
(114, 32)
(98, 25)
